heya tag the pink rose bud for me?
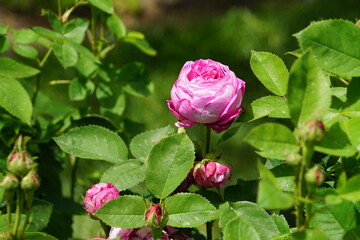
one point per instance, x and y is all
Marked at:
(206, 92)
(314, 176)
(212, 174)
(9, 182)
(20, 163)
(156, 216)
(31, 181)
(312, 131)
(98, 195)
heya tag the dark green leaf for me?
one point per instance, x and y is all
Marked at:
(353, 234)
(14, 69)
(351, 127)
(4, 43)
(309, 93)
(104, 5)
(339, 54)
(123, 212)
(168, 164)
(55, 22)
(80, 89)
(26, 51)
(138, 40)
(141, 145)
(273, 140)
(15, 99)
(116, 25)
(112, 100)
(125, 175)
(352, 108)
(93, 142)
(189, 210)
(135, 78)
(40, 215)
(271, 71)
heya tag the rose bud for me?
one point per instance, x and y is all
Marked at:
(312, 131)
(212, 174)
(314, 176)
(98, 195)
(156, 216)
(19, 163)
(9, 182)
(293, 158)
(206, 92)
(31, 181)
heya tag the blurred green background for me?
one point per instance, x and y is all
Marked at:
(183, 30)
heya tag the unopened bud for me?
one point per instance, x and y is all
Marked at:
(358, 23)
(20, 163)
(212, 174)
(9, 182)
(156, 216)
(293, 158)
(312, 131)
(314, 176)
(31, 181)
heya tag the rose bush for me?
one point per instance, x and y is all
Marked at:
(98, 195)
(206, 92)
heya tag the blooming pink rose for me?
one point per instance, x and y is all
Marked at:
(145, 233)
(98, 195)
(212, 174)
(97, 239)
(206, 92)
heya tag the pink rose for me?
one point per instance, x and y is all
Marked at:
(97, 239)
(145, 233)
(98, 195)
(206, 92)
(212, 174)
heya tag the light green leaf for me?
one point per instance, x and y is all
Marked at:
(116, 25)
(104, 5)
(271, 71)
(125, 175)
(75, 29)
(14, 69)
(281, 223)
(141, 145)
(350, 191)
(65, 53)
(189, 210)
(339, 92)
(238, 228)
(80, 89)
(15, 99)
(93, 142)
(112, 100)
(26, 51)
(308, 234)
(309, 92)
(351, 127)
(123, 212)
(138, 40)
(338, 54)
(273, 140)
(270, 195)
(38, 236)
(48, 33)
(86, 66)
(25, 36)
(272, 106)
(168, 164)
(336, 142)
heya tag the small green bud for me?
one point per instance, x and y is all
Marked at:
(312, 131)
(293, 159)
(20, 163)
(314, 176)
(9, 182)
(31, 181)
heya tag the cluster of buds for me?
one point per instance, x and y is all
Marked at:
(21, 170)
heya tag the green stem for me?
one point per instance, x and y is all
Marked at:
(59, 8)
(74, 163)
(93, 29)
(45, 58)
(19, 202)
(26, 223)
(207, 140)
(8, 212)
(156, 233)
(209, 226)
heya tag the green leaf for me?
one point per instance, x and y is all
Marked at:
(80, 89)
(336, 142)
(350, 191)
(14, 69)
(138, 40)
(238, 228)
(15, 99)
(93, 142)
(281, 223)
(309, 93)
(270, 195)
(116, 25)
(273, 140)
(26, 51)
(123, 212)
(135, 78)
(112, 100)
(339, 54)
(141, 145)
(104, 5)
(25, 36)
(339, 92)
(38, 236)
(54, 21)
(86, 66)
(4, 43)
(352, 108)
(353, 234)
(48, 33)
(272, 106)
(125, 175)
(75, 29)
(351, 127)
(40, 215)
(308, 234)
(271, 71)
(226, 214)
(65, 53)
(189, 210)
(168, 164)
(333, 220)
